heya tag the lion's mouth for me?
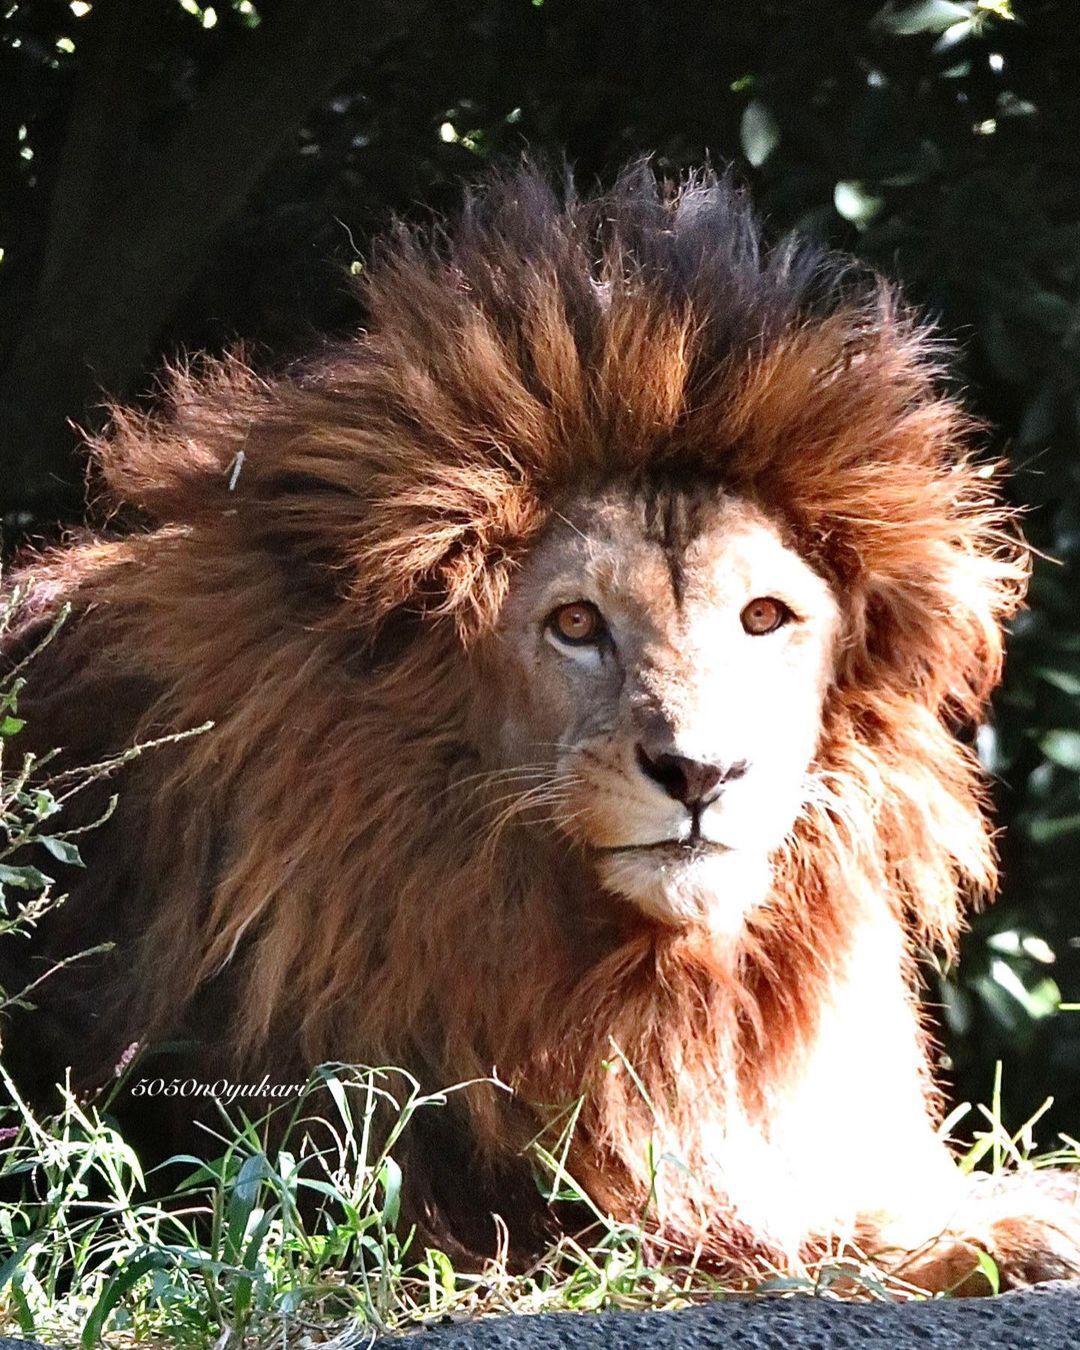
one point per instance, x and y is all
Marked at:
(676, 848)
(685, 846)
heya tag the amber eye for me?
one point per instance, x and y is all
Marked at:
(577, 623)
(764, 615)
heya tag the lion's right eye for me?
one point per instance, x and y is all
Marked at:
(579, 624)
(764, 615)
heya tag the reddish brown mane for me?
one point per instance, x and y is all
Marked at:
(319, 560)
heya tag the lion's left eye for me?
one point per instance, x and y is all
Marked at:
(578, 624)
(765, 615)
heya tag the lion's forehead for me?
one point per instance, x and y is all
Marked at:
(671, 559)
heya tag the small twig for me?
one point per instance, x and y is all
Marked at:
(61, 618)
(88, 773)
(15, 1000)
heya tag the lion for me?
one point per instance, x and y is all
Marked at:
(585, 643)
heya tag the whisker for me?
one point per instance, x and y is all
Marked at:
(521, 771)
(500, 825)
(520, 800)
(552, 794)
(574, 748)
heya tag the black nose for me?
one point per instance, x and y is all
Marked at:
(688, 780)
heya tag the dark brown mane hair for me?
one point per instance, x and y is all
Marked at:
(317, 560)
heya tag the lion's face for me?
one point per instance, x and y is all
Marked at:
(664, 660)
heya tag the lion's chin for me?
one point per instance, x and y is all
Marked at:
(682, 887)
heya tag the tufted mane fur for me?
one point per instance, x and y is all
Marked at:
(312, 563)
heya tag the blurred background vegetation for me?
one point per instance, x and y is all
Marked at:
(179, 176)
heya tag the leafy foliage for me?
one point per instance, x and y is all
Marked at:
(31, 812)
(26, 893)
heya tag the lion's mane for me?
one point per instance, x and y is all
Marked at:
(309, 561)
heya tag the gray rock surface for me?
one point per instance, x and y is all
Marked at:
(1040, 1319)
(1044, 1319)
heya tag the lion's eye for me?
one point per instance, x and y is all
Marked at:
(764, 615)
(578, 623)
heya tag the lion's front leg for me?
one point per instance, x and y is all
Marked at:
(857, 1131)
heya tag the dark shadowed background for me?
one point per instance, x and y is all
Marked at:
(176, 176)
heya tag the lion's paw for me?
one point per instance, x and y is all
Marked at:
(1027, 1223)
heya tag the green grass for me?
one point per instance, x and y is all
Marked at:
(235, 1256)
(234, 1253)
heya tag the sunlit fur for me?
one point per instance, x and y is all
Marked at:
(318, 563)
(669, 572)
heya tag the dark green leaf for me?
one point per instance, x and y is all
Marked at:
(63, 850)
(924, 16)
(28, 878)
(758, 132)
(1063, 747)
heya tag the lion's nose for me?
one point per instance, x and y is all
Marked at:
(688, 780)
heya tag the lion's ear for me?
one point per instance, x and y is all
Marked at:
(363, 521)
(366, 541)
(933, 629)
